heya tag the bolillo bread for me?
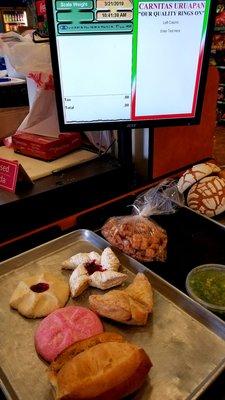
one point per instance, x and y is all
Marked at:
(104, 367)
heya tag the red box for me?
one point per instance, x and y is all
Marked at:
(45, 147)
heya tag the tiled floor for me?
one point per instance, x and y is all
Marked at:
(219, 145)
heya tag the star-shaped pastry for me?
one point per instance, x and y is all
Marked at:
(91, 269)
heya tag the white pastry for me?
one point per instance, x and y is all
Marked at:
(74, 261)
(107, 279)
(79, 280)
(39, 295)
(94, 256)
(195, 174)
(109, 260)
(102, 271)
(81, 258)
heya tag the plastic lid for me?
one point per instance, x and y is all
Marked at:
(196, 296)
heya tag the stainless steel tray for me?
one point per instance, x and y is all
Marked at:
(217, 219)
(184, 341)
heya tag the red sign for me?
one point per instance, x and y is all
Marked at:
(8, 174)
(11, 174)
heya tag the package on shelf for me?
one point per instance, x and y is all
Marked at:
(218, 57)
(218, 42)
(221, 93)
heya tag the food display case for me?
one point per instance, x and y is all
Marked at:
(13, 17)
(217, 55)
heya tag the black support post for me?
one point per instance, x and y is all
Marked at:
(125, 148)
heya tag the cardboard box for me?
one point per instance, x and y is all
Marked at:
(44, 147)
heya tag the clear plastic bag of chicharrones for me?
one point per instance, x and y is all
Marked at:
(138, 235)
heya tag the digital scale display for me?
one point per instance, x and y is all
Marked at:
(129, 61)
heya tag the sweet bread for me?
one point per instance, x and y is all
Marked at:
(39, 295)
(130, 306)
(81, 258)
(105, 367)
(195, 174)
(64, 327)
(80, 346)
(109, 260)
(208, 196)
(102, 276)
(79, 280)
(107, 279)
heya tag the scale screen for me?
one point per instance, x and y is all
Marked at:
(129, 63)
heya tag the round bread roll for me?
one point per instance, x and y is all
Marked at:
(208, 196)
(64, 327)
(194, 174)
(39, 295)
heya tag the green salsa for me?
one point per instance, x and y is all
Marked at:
(209, 286)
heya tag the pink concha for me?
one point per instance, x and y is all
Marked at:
(64, 327)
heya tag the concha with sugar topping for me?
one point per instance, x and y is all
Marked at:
(208, 196)
(195, 174)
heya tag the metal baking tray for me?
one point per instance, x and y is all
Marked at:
(184, 341)
(217, 219)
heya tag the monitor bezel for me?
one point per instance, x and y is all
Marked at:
(115, 125)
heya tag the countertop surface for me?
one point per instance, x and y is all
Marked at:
(192, 239)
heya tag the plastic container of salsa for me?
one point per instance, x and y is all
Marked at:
(206, 285)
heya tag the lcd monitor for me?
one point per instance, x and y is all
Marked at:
(128, 64)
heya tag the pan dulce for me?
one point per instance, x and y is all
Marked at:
(95, 270)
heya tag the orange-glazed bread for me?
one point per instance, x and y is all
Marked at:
(105, 367)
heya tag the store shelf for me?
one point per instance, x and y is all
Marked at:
(13, 18)
(218, 59)
(16, 23)
(219, 29)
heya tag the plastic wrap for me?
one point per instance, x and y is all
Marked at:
(160, 199)
(139, 236)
